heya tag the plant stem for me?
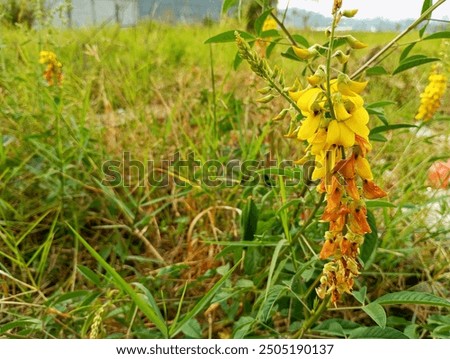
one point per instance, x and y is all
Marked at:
(398, 37)
(328, 72)
(283, 28)
(311, 320)
(313, 214)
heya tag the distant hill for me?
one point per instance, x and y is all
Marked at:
(306, 19)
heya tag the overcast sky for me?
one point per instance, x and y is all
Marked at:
(390, 9)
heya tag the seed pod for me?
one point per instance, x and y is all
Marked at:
(349, 13)
(265, 90)
(281, 115)
(265, 99)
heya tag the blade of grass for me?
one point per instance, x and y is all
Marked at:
(150, 312)
(202, 303)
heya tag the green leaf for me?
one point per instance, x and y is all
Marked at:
(300, 40)
(426, 5)
(290, 54)
(242, 327)
(30, 323)
(68, 296)
(406, 51)
(379, 104)
(150, 312)
(271, 46)
(244, 283)
(380, 129)
(249, 220)
(379, 112)
(377, 333)
(192, 329)
(411, 331)
(377, 137)
(336, 327)
(409, 297)
(237, 61)
(270, 33)
(438, 35)
(274, 293)
(228, 36)
(227, 5)
(203, 302)
(273, 264)
(89, 275)
(406, 65)
(413, 57)
(360, 295)
(376, 71)
(380, 204)
(370, 244)
(259, 22)
(377, 313)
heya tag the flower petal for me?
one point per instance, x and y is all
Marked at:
(307, 99)
(358, 127)
(363, 168)
(308, 127)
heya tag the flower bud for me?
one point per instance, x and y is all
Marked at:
(355, 43)
(318, 77)
(305, 54)
(265, 90)
(336, 6)
(341, 57)
(349, 13)
(266, 99)
(281, 115)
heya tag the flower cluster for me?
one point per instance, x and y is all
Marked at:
(335, 127)
(430, 99)
(334, 124)
(53, 71)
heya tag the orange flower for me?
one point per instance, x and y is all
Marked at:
(371, 190)
(352, 189)
(328, 249)
(357, 219)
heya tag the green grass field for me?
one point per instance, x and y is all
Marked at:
(91, 246)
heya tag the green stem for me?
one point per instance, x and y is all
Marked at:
(313, 214)
(282, 93)
(328, 72)
(317, 313)
(398, 37)
(283, 28)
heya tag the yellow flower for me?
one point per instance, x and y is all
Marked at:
(318, 142)
(307, 98)
(355, 43)
(339, 108)
(430, 99)
(339, 134)
(304, 54)
(318, 77)
(309, 126)
(348, 87)
(363, 168)
(53, 70)
(269, 24)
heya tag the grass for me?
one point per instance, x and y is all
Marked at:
(192, 258)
